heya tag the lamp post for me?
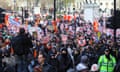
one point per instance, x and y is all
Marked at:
(115, 23)
(54, 10)
(22, 15)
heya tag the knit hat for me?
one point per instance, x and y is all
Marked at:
(81, 67)
(84, 59)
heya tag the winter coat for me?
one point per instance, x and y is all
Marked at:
(21, 44)
(45, 68)
(65, 63)
(54, 62)
(117, 67)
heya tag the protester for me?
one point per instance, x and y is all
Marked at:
(83, 65)
(65, 61)
(54, 61)
(21, 45)
(64, 44)
(43, 65)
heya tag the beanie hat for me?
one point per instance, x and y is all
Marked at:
(81, 67)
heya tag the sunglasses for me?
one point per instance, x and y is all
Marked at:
(107, 51)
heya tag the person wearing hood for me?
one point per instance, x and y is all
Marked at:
(76, 54)
(83, 65)
(106, 62)
(65, 62)
(53, 61)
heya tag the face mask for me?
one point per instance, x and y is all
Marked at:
(63, 54)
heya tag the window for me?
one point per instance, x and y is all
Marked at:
(101, 3)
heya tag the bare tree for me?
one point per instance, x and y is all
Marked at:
(4, 4)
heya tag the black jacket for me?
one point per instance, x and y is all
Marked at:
(117, 67)
(54, 62)
(48, 68)
(21, 44)
(65, 63)
(45, 68)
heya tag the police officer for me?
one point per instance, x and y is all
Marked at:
(106, 62)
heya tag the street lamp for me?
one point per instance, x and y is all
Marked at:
(115, 23)
(22, 15)
(54, 10)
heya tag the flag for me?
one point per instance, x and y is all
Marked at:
(13, 22)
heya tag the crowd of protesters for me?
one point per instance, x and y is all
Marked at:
(66, 46)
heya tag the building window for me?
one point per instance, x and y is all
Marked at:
(101, 3)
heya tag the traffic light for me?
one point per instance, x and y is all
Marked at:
(117, 25)
(111, 23)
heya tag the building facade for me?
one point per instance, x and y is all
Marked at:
(105, 5)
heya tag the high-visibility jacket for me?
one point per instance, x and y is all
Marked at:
(95, 26)
(106, 65)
